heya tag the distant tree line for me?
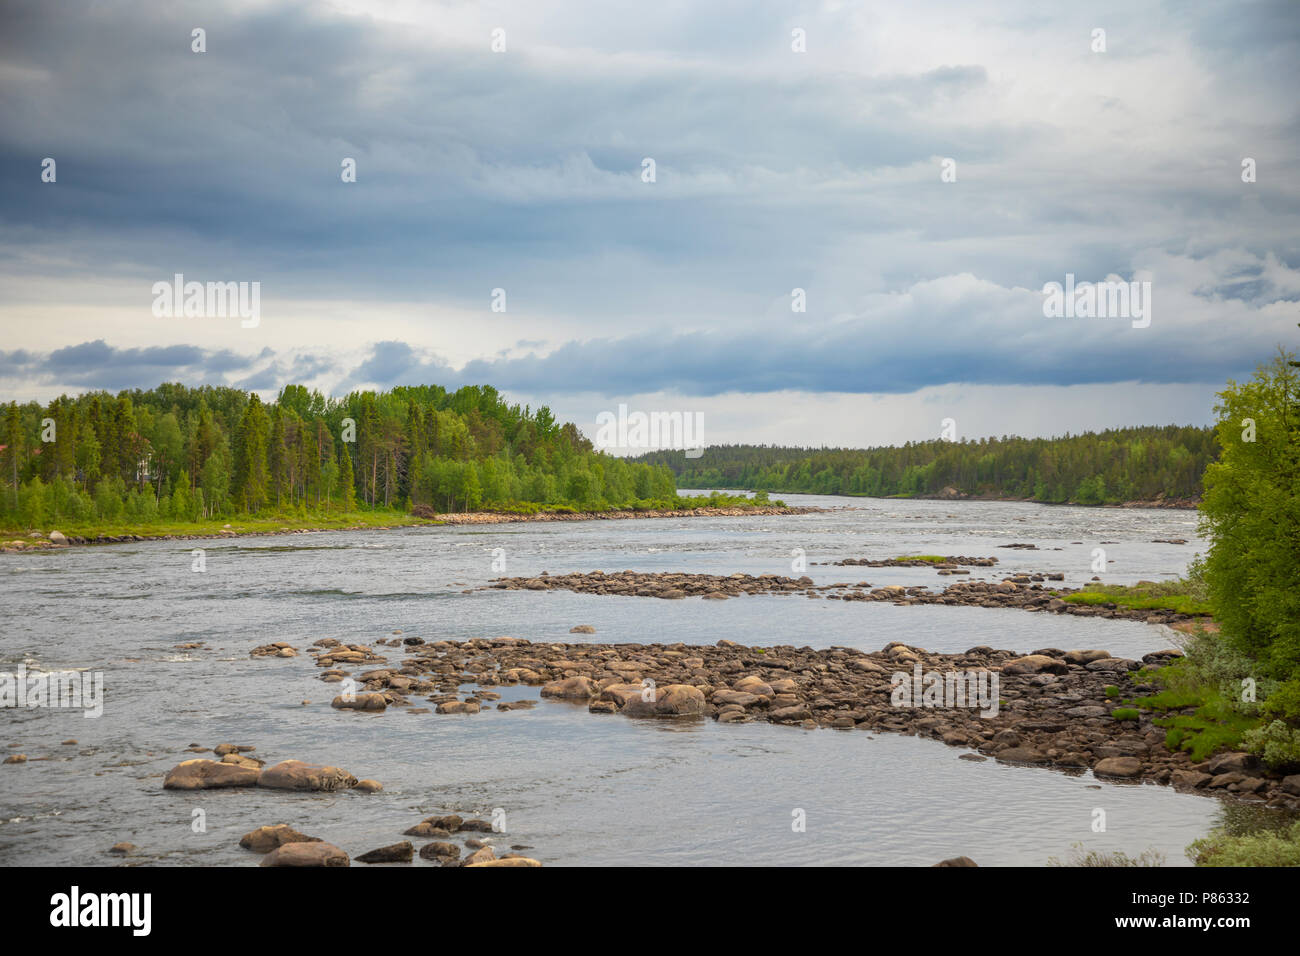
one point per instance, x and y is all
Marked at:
(1116, 465)
(187, 454)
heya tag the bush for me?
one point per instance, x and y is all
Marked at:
(1277, 744)
(1077, 857)
(1265, 848)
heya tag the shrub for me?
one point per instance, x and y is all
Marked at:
(1264, 848)
(1277, 744)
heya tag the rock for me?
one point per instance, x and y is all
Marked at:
(1189, 779)
(451, 822)
(957, 861)
(1085, 657)
(571, 688)
(120, 849)
(306, 854)
(16, 758)
(394, 853)
(1291, 784)
(296, 775)
(58, 539)
(439, 851)
(222, 749)
(475, 826)
(200, 774)
(1035, 664)
(1118, 767)
(360, 702)
(674, 700)
(483, 855)
(507, 861)
(368, 786)
(266, 839)
(1232, 763)
(582, 629)
(427, 829)
(1021, 755)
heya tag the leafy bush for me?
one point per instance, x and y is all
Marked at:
(1264, 848)
(1277, 744)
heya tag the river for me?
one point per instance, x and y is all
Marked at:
(575, 787)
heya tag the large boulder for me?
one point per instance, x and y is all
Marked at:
(208, 775)
(306, 854)
(296, 775)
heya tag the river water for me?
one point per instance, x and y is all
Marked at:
(575, 787)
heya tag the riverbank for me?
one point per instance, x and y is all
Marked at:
(11, 541)
(1051, 708)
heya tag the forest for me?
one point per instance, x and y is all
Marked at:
(1106, 467)
(179, 454)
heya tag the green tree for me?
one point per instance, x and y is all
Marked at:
(1251, 514)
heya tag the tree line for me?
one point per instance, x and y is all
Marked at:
(1111, 466)
(175, 453)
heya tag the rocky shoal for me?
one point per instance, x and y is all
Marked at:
(1023, 591)
(1056, 707)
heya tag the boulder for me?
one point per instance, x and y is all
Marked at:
(200, 774)
(1232, 763)
(1035, 664)
(266, 839)
(296, 775)
(439, 851)
(1085, 657)
(674, 700)
(394, 853)
(306, 854)
(1118, 767)
(507, 861)
(360, 702)
(571, 688)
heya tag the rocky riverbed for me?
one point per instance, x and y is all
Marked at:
(1055, 708)
(1023, 591)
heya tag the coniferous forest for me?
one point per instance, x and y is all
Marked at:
(179, 454)
(1107, 467)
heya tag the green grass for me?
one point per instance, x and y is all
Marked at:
(1213, 722)
(1280, 847)
(1126, 713)
(1144, 596)
(931, 558)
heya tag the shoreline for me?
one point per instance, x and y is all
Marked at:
(42, 543)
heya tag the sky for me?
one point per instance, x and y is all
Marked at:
(919, 170)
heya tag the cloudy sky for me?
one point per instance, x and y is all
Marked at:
(774, 170)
